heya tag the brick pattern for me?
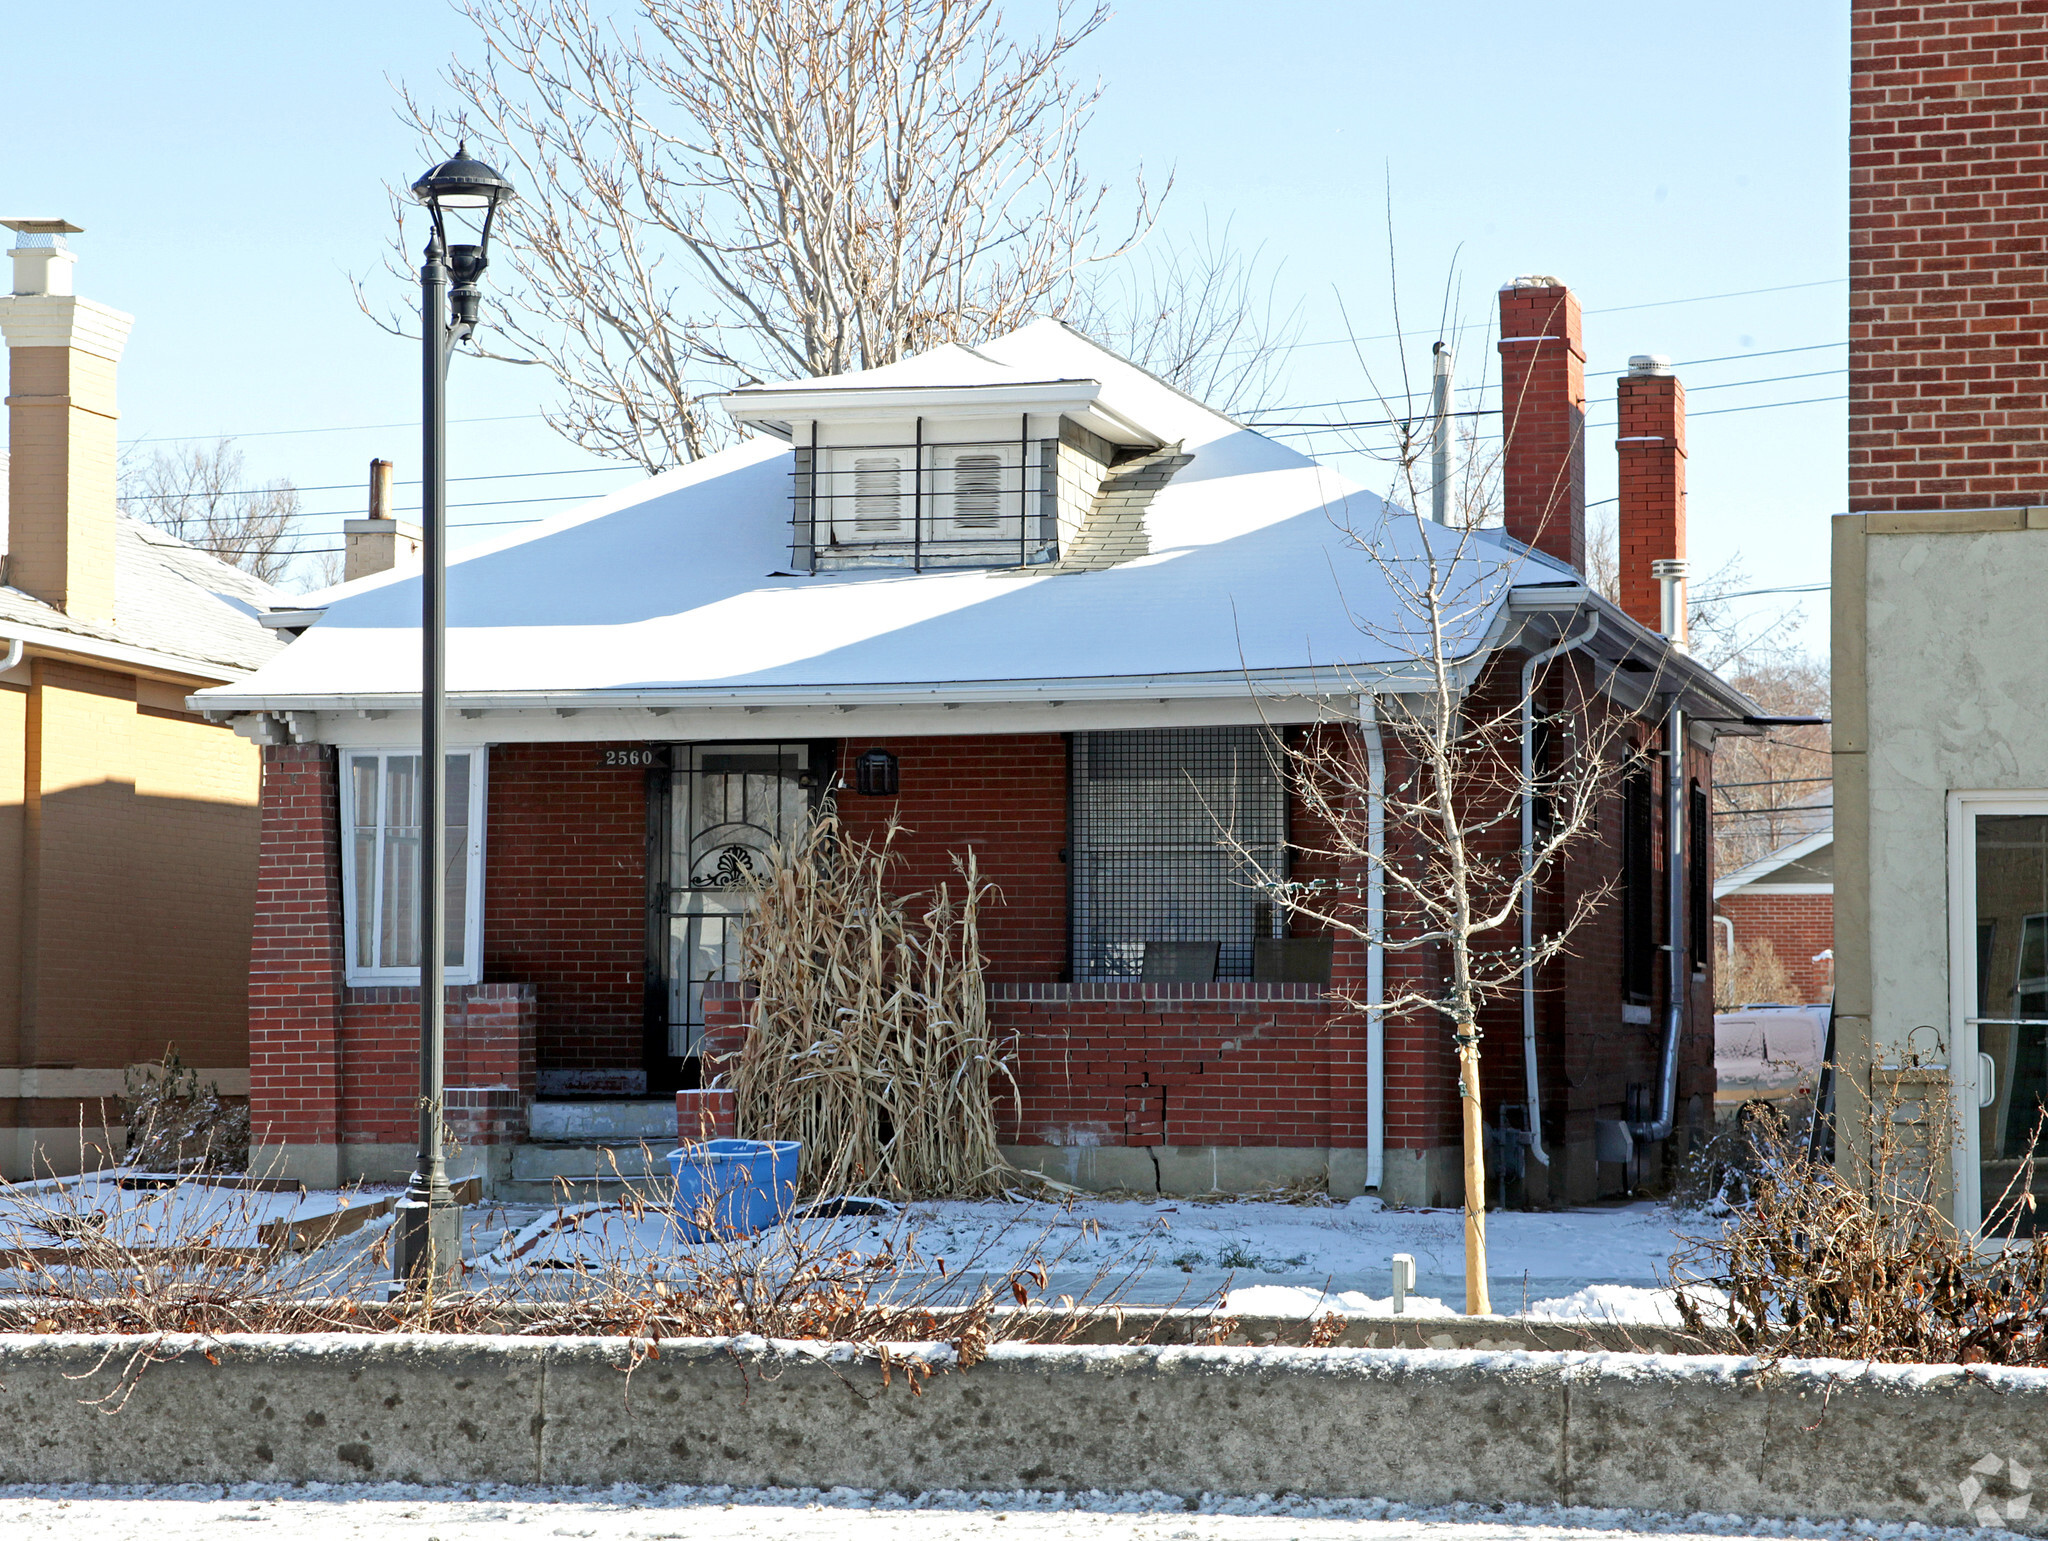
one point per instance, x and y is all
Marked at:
(60, 478)
(490, 1045)
(1003, 797)
(1798, 926)
(1543, 405)
(296, 961)
(1948, 233)
(1650, 518)
(565, 898)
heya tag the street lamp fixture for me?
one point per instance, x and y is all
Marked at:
(461, 195)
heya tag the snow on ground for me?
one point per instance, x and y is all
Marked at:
(1273, 1257)
(318, 1513)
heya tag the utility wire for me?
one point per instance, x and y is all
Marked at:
(250, 492)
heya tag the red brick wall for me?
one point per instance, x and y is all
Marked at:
(565, 898)
(1650, 521)
(1947, 121)
(490, 1043)
(1543, 406)
(1799, 927)
(295, 962)
(1005, 798)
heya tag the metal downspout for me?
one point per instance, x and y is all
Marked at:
(14, 650)
(1531, 1084)
(1674, 915)
(1375, 947)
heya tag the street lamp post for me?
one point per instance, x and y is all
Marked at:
(458, 192)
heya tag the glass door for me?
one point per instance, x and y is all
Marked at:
(729, 804)
(2002, 969)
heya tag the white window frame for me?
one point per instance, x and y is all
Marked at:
(359, 973)
(1964, 808)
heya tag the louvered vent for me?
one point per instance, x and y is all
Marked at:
(877, 494)
(977, 490)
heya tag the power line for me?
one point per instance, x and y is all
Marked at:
(277, 433)
(248, 492)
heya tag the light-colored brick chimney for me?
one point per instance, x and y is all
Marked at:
(1543, 416)
(379, 543)
(1650, 438)
(63, 353)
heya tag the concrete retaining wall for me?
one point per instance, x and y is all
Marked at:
(1813, 1439)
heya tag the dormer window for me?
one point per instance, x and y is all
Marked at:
(949, 459)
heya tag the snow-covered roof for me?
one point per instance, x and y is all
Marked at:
(677, 589)
(175, 608)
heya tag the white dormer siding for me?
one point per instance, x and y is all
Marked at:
(949, 459)
(964, 492)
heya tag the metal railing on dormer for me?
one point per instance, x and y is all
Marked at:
(925, 503)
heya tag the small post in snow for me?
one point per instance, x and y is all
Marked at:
(1404, 1280)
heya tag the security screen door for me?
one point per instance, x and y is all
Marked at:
(728, 805)
(2003, 955)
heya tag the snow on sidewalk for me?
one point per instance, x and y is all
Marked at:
(392, 1512)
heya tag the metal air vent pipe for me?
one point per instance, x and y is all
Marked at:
(1674, 927)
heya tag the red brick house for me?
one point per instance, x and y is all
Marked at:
(1030, 600)
(1788, 899)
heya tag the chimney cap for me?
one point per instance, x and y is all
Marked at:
(1536, 281)
(1647, 366)
(43, 226)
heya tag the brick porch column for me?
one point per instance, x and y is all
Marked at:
(296, 967)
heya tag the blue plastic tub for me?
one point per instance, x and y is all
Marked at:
(740, 1186)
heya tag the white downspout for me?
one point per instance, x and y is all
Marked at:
(1531, 1084)
(13, 658)
(1375, 947)
(1675, 930)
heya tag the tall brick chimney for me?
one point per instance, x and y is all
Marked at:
(62, 356)
(1650, 438)
(1543, 413)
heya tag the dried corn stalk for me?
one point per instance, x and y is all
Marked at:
(870, 1040)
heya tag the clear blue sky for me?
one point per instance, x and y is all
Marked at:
(228, 162)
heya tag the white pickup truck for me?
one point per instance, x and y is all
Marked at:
(1767, 1054)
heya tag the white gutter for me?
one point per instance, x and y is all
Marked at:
(1375, 947)
(1532, 1086)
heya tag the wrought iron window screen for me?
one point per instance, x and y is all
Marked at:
(730, 804)
(927, 503)
(1153, 816)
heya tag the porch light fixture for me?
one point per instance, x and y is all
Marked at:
(461, 195)
(875, 774)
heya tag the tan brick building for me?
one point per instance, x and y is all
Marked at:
(128, 824)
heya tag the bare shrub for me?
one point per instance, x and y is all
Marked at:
(1752, 973)
(177, 1123)
(1858, 1260)
(870, 1040)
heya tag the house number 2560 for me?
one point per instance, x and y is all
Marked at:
(626, 759)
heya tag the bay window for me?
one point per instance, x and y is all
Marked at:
(380, 865)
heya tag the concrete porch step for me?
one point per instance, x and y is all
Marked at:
(604, 1122)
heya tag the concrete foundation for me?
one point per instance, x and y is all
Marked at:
(1823, 1439)
(1192, 1169)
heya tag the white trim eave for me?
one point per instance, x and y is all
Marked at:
(51, 642)
(1380, 679)
(827, 403)
(1764, 866)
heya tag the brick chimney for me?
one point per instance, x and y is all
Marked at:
(1650, 439)
(379, 543)
(62, 356)
(1543, 413)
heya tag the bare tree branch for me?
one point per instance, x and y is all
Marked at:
(201, 495)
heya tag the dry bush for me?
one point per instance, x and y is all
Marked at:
(870, 1041)
(1858, 1261)
(177, 1123)
(1753, 973)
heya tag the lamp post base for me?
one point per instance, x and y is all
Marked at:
(426, 1240)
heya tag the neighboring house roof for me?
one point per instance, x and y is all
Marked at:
(1805, 864)
(176, 608)
(677, 590)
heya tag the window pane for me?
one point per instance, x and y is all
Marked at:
(455, 860)
(2012, 952)
(363, 821)
(398, 916)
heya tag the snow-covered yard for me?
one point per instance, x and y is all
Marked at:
(723, 1514)
(1272, 1257)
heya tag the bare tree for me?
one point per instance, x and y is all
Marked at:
(1775, 787)
(202, 495)
(1460, 774)
(725, 191)
(1200, 314)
